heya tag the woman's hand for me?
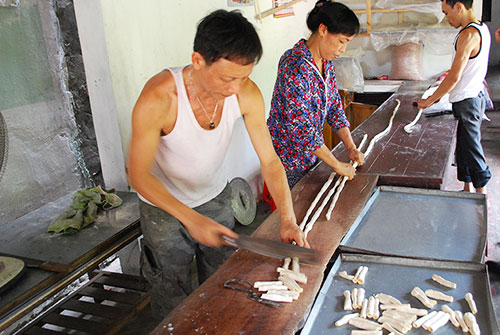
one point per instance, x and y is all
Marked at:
(345, 169)
(356, 156)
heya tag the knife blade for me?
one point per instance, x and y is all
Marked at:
(273, 248)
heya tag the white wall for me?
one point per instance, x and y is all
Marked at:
(142, 38)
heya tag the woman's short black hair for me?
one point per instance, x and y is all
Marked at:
(228, 35)
(337, 17)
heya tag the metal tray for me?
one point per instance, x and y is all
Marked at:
(421, 223)
(397, 276)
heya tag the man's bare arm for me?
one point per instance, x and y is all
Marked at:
(468, 41)
(253, 110)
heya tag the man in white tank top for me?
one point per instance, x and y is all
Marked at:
(181, 127)
(464, 83)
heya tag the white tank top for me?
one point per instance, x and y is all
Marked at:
(471, 82)
(189, 159)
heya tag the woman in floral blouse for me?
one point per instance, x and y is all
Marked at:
(305, 95)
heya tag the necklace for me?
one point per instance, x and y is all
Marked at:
(211, 125)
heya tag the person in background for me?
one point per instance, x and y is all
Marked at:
(305, 95)
(464, 83)
(181, 128)
(497, 35)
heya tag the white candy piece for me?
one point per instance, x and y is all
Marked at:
(290, 283)
(295, 265)
(275, 287)
(361, 297)
(438, 295)
(418, 323)
(387, 299)
(276, 297)
(293, 294)
(354, 296)
(395, 306)
(439, 322)
(344, 275)
(297, 276)
(402, 315)
(364, 307)
(470, 321)
(460, 319)
(376, 313)
(371, 307)
(345, 319)
(347, 301)
(364, 324)
(362, 275)
(366, 332)
(444, 282)
(420, 295)
(286, 263)
(390, 328)
(400, 325)
(435, 318)
(453, 319)
(472, 304)
(358, 272)
(258, 284)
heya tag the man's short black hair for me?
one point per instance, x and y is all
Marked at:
(228, 35)
(466, 3)
(337, 17)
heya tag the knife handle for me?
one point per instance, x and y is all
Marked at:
(56, 267)
(230, 241)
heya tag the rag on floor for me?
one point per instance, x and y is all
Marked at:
(83, 209)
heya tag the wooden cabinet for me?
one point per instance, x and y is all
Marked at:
(356, 113)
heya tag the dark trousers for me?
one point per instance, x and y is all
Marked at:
(168, 252)
(469, 155)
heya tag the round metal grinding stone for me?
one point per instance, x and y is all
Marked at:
(242, 201)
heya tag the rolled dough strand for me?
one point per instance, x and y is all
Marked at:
(410, 125)
(342, 184)
(316, 215)
(377, 137)
(315, 201)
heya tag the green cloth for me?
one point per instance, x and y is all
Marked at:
(85, 204)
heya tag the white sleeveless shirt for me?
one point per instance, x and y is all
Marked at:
(189, 159)
(471, 82)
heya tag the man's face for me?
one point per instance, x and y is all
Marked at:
(333, 45)
(451, 13)
(224, 78)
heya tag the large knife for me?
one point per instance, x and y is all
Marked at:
(42, 265)
(273, 248)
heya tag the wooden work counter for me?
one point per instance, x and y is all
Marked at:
(213, 309)
(418, 159)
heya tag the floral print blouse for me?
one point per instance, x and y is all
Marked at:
(302, 100)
